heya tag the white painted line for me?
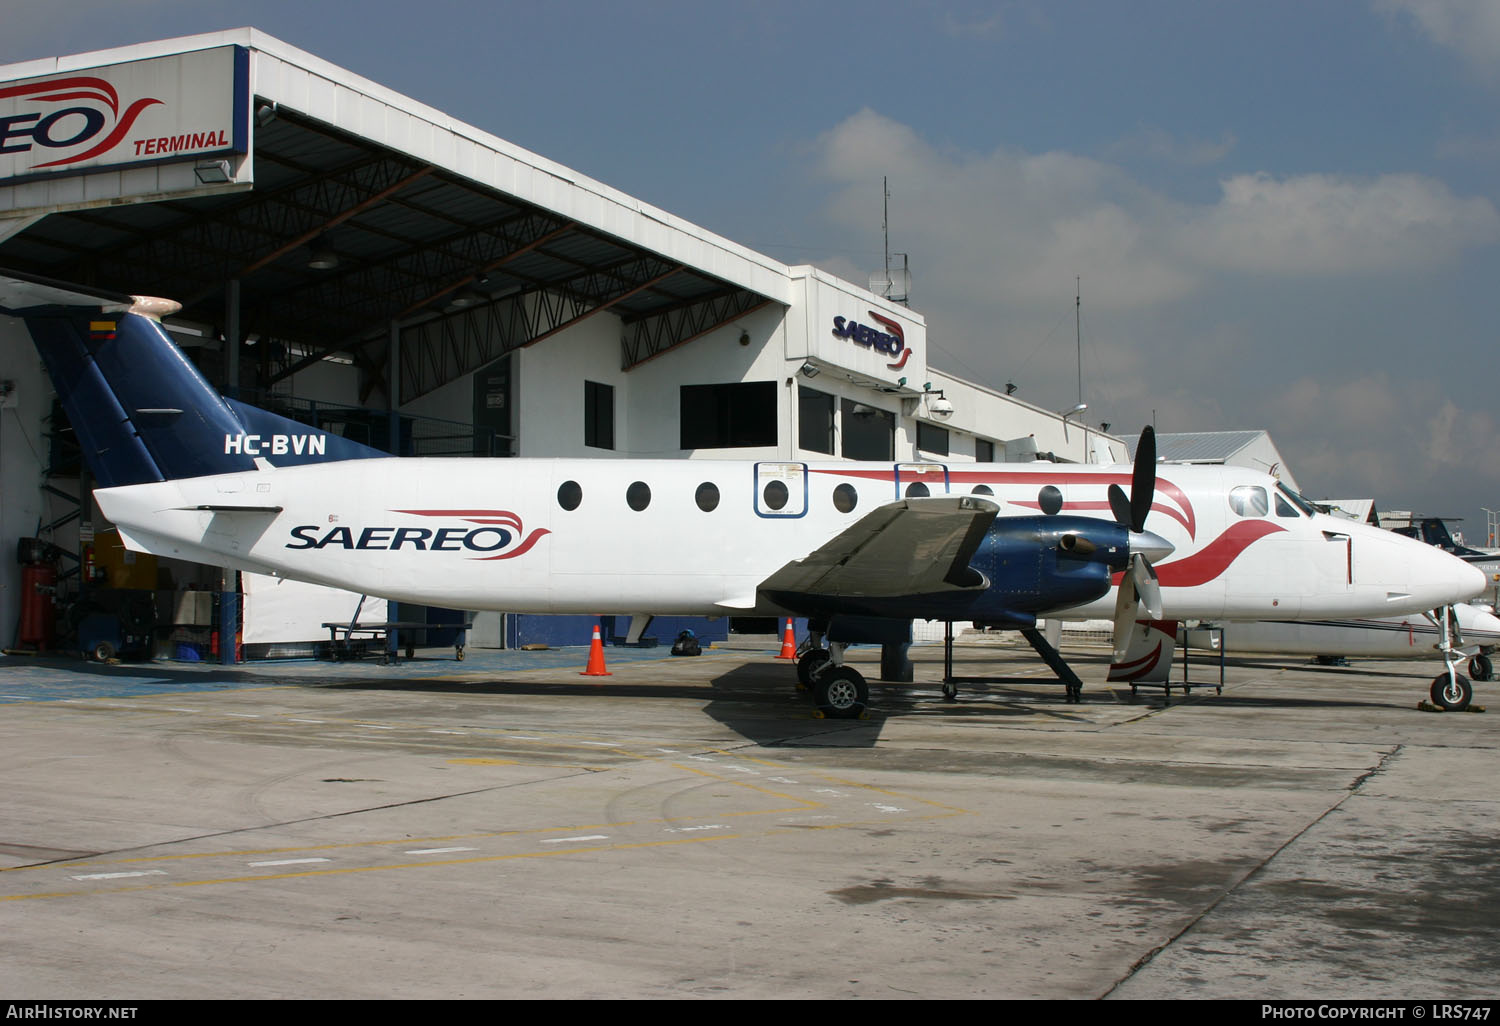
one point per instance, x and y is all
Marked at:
(121, 876)
(296, 720)
(570, 840)
(376, 726)
(828, 790)
(887, 808)
(782, 780)
(600, 744)
(289, 862)
(181, 708)
(245, 716)
(458, 732)
(520, 737)
(437, 851)
(693, 829)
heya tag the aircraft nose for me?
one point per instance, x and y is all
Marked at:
(1151, 545)
(1446, 578)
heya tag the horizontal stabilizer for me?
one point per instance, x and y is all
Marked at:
(266, 510)
(911, 547)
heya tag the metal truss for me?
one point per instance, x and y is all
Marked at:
(651, 336)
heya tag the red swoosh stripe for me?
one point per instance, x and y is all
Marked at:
(521, 549)
(1214, 558)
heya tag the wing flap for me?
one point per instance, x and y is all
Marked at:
(911, 547)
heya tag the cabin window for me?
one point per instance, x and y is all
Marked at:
(638, 495)
(731, 416)
(775, 494)
(1249, 501)
(1284, 508)
(845, 498)
(982, 490)
(707, 496)
(569, 495)
(814, 420)
(917, 490)
(598, 415)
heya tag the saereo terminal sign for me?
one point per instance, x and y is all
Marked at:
(163, 109)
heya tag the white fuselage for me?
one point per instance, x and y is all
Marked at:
(554, 536)
(1413, 636)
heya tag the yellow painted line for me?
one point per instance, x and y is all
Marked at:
(345, 871)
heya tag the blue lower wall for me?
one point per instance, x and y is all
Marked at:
(557, 631)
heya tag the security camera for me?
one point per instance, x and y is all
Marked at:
(940, 408)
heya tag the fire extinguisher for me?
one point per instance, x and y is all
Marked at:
(88, 563)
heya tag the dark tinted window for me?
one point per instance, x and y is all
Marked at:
(917, 489)
(814, 420)
(868, 433)
(638, 496)
(729, 416)
(569, 495)
(775, 495)
(931, 438)
(707, 496)
(845, 498)
(598, 415)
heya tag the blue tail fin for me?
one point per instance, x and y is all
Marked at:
(143, 412)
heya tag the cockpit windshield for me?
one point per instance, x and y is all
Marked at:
(1306, 507)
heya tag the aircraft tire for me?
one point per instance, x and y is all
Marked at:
(840, 693)
(104, 652)
(1481, 668)
(811, 662)
(1451, 695)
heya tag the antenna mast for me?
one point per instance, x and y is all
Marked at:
(1078, 330)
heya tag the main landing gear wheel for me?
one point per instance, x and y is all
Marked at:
(1480, 668)
(1451, 693)
(840, 693)
(808, 666)
(950, 691)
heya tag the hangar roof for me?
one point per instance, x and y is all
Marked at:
(429, 222)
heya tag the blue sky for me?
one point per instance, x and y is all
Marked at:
(1284, 214)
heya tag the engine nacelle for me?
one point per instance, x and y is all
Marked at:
(1042, 564)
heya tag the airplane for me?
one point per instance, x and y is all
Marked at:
(1471, 632)
(856, 547)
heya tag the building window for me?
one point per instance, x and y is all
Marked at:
(931, 438)
(732, 416)
(984, 450)
(868, 433)
(814, 420)
(598, 415)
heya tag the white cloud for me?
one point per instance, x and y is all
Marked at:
(1324, 224)
(1471, 27)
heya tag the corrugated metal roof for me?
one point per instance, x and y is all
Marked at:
(1200, 446)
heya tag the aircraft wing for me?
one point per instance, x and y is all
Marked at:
(918, 546)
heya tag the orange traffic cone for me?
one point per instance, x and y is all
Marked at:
(788, 642)
(596, 658)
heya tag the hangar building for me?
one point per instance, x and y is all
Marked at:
(357, 260)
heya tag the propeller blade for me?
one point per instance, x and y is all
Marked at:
(1124, 616)
(1142, 480)
(1143, 575)
(1119, 505)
